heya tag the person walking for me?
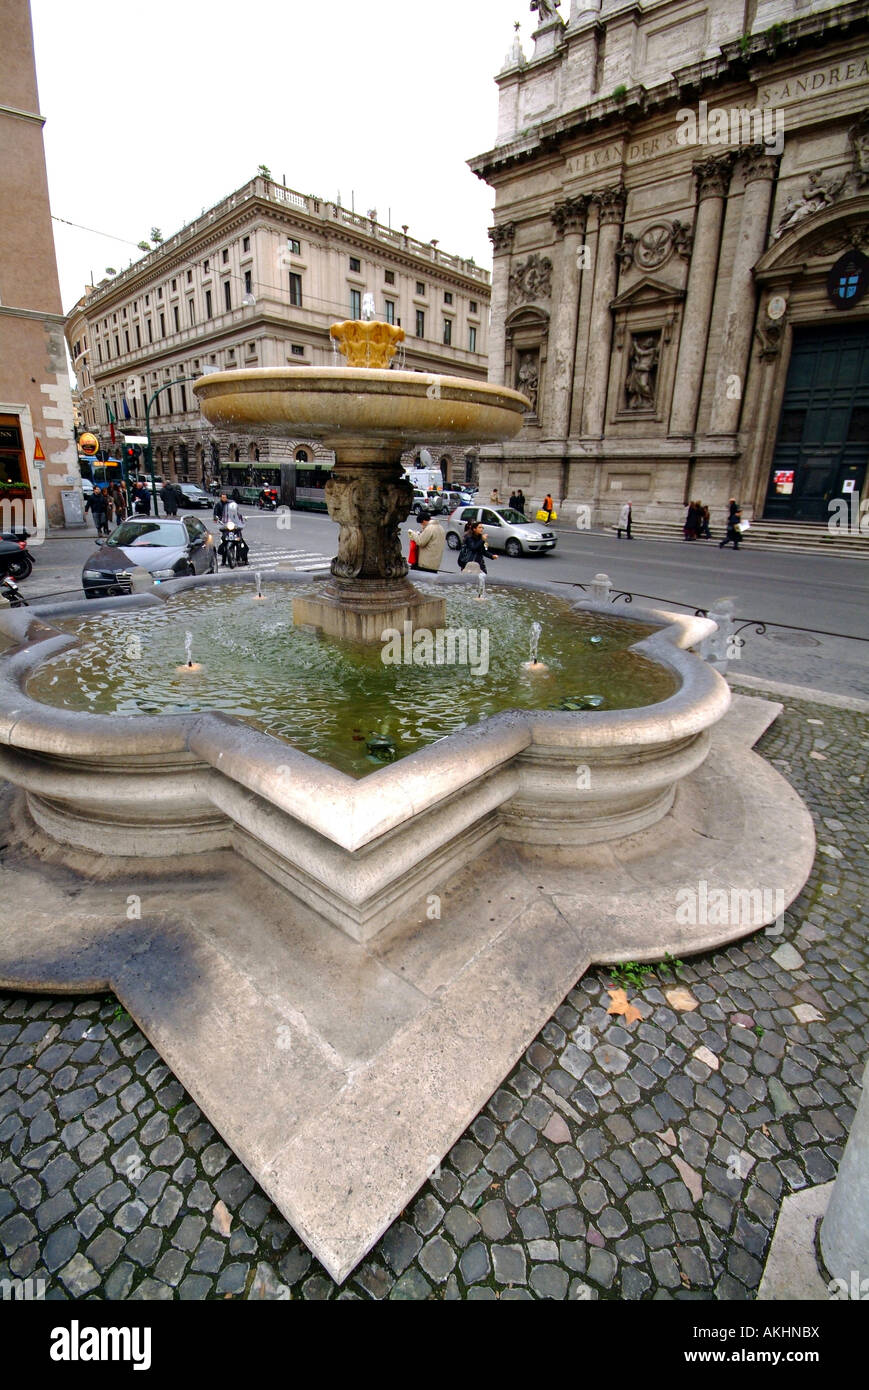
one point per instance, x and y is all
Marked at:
(704, 532)
(141, 500)
(692, 522)
(430, 542)
(625, 521)
(119, 498)
(169, 498)
(548, 507)
(474, 549)
(734, 518)
(520, 501)
(96, 505)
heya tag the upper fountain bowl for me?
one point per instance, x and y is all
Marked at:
(362, 413)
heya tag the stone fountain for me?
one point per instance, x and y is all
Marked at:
(369, 415)
(342, 972)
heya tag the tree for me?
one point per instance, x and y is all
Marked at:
(264, 171)
(156, 234)
(144, 245)
(110, 270)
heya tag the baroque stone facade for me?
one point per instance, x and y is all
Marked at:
(680, 257)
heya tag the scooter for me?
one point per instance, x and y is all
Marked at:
(267, 502)
(15, 558)
(10, 591)
(235, 550)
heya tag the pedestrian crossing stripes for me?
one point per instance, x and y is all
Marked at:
(296, 559)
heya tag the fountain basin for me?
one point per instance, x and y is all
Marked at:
(365, 414)
(160, 786)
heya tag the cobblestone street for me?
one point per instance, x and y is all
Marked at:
(617, 1161)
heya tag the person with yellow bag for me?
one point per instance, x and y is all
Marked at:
(547, 511)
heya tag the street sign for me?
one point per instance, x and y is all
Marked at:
(135, 439)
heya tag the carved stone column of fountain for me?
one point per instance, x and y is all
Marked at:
(368, 414)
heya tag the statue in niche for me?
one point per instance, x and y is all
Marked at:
(642, 372)
(858, 136)
(528, 377)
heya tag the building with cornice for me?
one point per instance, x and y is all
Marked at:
(256, 281)
(37, 446)
(680, 274)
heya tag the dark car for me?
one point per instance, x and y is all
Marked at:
(168, 548)
(193, 496)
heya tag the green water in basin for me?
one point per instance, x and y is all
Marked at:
(339, 701)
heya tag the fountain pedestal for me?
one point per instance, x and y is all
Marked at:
(369, 590)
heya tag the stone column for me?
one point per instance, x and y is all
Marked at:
(759, 170)
(501, 237)
(611, 206)
(713, 177)
(845, 1227)
(569, 220)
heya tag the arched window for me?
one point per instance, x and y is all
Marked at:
(302, 456)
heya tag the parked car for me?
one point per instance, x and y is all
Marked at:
(420, 500)
(194, 496)
(448, 501)
(507, 530)
(168, 548)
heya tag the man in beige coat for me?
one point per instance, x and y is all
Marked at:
(431, 541)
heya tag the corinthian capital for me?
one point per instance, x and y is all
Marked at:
(713, 175)
(501, 236)
(569, 215)
(758, 163)
(610, 204)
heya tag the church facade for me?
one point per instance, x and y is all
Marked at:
(681, 259)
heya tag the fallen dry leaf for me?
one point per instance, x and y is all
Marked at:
(764, 1130)
(681, 999)
(690, 1177)
(221, 1219)
(620, 1005)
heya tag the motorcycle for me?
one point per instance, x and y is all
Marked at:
(15, 558)
(10, 591)
(233, 545)
(267, 502)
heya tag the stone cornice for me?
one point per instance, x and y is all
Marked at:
(43, 317)
(20, 115)
(739, 61)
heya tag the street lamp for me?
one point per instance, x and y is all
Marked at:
(148, 449)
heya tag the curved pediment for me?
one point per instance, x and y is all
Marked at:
(528, 316)
(824, 234)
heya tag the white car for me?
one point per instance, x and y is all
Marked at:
(505, 528)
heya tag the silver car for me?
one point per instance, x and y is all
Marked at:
(506, 529)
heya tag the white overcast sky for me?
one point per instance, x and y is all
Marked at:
(155, 111)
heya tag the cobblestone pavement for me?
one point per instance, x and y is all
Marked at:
(623, 1162)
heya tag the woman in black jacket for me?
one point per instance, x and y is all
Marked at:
(474, 549)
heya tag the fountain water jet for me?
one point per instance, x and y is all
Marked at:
(537, 668)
